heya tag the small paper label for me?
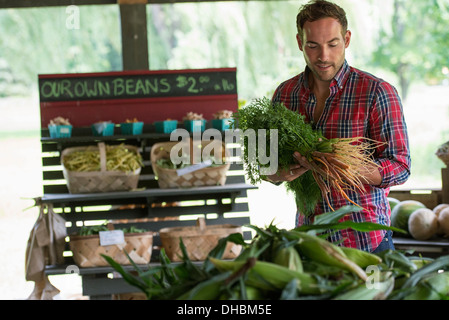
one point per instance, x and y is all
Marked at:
(194, 167)
(111, 237)
(64, 130)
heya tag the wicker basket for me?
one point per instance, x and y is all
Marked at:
(99, 181)
(199, 240)
(169, 178)
(87, 250)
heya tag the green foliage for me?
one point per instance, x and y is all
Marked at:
(52, 45)
(185, 280)
(180, 36)
(189, 35)
(413, 45)
(293, 133)
(255, 274)
(95, 230)
(253, 36)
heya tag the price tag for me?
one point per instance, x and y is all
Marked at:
(111, 237)
(194, 167)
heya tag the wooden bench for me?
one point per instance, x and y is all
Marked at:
(148, 207)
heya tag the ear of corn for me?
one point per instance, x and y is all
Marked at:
(325, 252)
(243, 292)
(279, 276)
(380, 291)
(436, 265)
(362, 258)
(434, 286)
(206, 290)
(420, 262)
(397, 259)
(270, 276)
(251, 293)
(288, 257)
(280, 264)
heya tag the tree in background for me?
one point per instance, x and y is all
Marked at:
(414, 44)
(42, 40)
(257, 37)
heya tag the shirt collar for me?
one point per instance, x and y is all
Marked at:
(338, 80)
(341, 75)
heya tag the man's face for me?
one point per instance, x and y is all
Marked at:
(324, 47)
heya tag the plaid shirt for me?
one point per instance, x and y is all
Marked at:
(359, 105)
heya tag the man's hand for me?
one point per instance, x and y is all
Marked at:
(370, 175)
(293, 172)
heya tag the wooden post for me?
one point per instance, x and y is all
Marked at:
(132, 1)
(445, 184)
(134, 35)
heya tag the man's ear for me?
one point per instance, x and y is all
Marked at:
(299, 40)
(347, 38)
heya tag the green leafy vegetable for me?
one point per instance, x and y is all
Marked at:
(333, 164)
(258, 273)
(94, 230)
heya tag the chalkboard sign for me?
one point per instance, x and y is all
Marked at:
(136, 85)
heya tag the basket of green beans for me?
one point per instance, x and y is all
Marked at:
(101, 168)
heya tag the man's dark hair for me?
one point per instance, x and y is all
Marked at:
(318, 9)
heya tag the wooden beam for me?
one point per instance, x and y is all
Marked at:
(4, 4)
(134, 37)
(50, 3)
(184, 1)
(132, 1)
(445, 184)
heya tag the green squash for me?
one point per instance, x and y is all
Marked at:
(393, 202)
(402, 211)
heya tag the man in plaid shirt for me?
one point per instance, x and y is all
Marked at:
(343, 102)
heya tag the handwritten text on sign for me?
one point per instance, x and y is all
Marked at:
(137, 86)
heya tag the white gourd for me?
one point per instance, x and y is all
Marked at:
(440, 207)
(423, 224)
(443, 221)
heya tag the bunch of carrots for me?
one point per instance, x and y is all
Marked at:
(334, 164)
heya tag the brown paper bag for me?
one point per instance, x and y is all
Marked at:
(34, 255)
(58, 233)
(45, 246)
(44, 290)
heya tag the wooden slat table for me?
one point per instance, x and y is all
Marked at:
(432, 248)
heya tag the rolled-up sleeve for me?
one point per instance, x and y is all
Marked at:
(388, 126)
